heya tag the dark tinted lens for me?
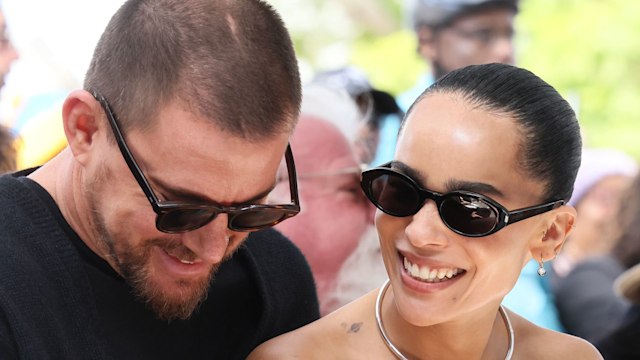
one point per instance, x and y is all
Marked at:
(468, 214)
(253, 219)
(394, 194)
(184, 219)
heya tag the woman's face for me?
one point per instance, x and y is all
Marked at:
(447, 145)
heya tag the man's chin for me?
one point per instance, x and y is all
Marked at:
(175, 301)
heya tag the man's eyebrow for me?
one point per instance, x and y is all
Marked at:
(451, 184)
(189, 195)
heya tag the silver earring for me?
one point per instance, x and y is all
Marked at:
(541, 269)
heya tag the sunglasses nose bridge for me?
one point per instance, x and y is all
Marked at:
(209, 242)
(426, 195)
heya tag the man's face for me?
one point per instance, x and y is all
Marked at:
(8, 54)
(185, 158)
(335, 213)
(478, 38)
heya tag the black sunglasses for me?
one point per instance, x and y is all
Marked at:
(178, 216)
(464, 212)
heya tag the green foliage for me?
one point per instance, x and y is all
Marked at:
(587, 49)
(391, 61)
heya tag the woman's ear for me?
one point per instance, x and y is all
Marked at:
(558, 225)
(81, 118)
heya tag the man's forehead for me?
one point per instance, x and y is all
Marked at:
(187, 154)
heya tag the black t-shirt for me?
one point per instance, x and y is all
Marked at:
(124, 317)
(253, 297)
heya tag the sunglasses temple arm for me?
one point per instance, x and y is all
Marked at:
(126, 153)
(517, 215)
(293, 180)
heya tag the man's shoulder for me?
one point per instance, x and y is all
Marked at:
(281, 270)
(275, 256)
(269, 241)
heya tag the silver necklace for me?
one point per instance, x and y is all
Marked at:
(397, 352)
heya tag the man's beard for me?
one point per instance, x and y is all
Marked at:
(133, 264)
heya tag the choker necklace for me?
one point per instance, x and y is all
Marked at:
(397, 352)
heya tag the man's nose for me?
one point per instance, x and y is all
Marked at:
(210, 242)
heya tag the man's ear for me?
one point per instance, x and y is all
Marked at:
(426, 43)
(81, 117)
(559, 224)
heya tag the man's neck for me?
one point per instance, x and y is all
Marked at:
(61, 177)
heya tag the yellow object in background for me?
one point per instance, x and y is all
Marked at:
(41, 139)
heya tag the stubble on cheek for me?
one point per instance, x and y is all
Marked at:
(132, 260)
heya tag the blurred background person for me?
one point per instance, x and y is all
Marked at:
(8, 54)
(596, 252)
(452, 34)
(622, 342)
(7, 150)
(373, 105)
(335, 213)
(455, 33)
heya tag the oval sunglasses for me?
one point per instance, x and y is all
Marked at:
(464, 212)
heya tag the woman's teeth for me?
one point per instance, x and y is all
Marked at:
(424, 273)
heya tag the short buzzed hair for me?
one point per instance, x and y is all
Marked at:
(230, 61)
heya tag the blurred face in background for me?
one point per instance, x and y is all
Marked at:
(335, 213)
(596, 227)
(8, 54)
(478, 38)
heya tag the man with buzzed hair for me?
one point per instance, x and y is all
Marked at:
(149, 236)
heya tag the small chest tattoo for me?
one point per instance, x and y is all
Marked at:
(353, 328)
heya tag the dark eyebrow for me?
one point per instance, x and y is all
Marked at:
(477, 187)
(451, 184)
(189, 195)
(408, 170)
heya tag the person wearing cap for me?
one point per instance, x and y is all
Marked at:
(455, 33)
(581, 276)
(452, 34)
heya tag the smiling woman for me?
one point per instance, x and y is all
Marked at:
(477, 188)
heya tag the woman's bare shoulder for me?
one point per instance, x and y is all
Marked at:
(344, 331)
(534, 342)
